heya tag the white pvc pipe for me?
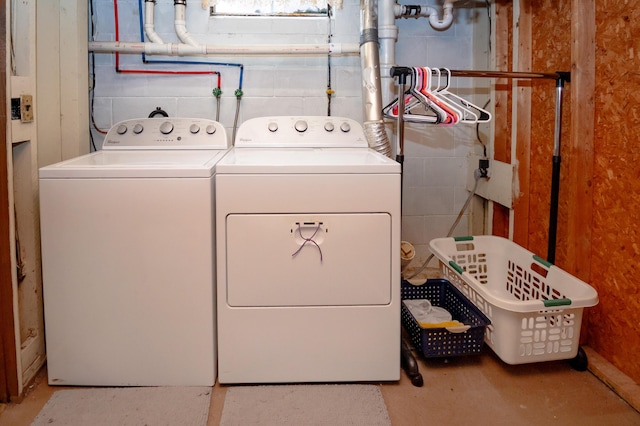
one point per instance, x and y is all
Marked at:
(180, 24)
(401, 11)
(447, 17)
(149, 28)
(388, 35)
(178, 49)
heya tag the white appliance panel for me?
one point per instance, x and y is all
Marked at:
(126, 164)
(129, 302)
(306, 161)
(299, 132)
(308, 260)
(166, 133)
(307, 193)
(309, 344)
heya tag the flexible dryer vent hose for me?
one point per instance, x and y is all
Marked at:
(371, 85)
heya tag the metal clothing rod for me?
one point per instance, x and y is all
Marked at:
(509, 74)
(560, 77)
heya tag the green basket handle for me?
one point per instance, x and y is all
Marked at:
(556, 302)
(457, 267)
(542, 261)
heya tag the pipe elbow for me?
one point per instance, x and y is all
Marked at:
(149, 26)
(183, 34)
(152, 35)
(180, 24)
(447, 18)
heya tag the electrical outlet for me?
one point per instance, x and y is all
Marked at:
(483, 166)
(26, 108)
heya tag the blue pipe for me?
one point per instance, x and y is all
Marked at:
(159, 61)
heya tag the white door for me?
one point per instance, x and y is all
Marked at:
(308, 259)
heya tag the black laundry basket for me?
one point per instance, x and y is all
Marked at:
(440, 342)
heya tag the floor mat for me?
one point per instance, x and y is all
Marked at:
(169, 406)
(304, 405)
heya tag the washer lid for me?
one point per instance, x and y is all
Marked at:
(138, 164)
(305, 161)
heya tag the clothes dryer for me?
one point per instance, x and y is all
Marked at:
(308, 221)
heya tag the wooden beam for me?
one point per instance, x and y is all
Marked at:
(583, 69)
(9, 386)
(502, 106)
(581, 143)
(523, 124)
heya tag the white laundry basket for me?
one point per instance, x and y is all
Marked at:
(535, 307)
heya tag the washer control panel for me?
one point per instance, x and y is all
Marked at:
(303, 132)
(167, 133)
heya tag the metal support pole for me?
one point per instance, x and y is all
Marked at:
(555, 172)
(401, 73)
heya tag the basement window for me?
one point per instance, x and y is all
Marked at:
(269, 8)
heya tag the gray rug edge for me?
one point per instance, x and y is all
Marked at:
(270, 397)
(157, 405)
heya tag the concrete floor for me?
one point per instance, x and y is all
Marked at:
(478, 389)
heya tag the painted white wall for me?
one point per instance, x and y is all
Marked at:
(435, 157)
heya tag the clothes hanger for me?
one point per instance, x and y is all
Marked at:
(422, 97)
(453, 114)
(464, 114)
(474, 114)
(411, 100)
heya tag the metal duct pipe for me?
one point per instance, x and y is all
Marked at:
(371, 86)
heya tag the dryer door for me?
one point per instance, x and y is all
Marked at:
(308, 259)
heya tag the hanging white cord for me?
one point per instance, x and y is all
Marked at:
(457, 221)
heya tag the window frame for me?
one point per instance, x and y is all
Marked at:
(323, 10)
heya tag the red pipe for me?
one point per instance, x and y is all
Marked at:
(145, 71)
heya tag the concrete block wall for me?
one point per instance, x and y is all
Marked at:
(435, 157)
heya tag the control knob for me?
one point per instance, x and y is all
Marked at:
(211, 129)
(194, 128)
(122, 129)
(166, 128)
(273, 126)
(137, 129)
(345, 127)
(301, 126)
(329, 126)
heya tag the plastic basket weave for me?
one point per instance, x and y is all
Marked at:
(440, 342)
(535, 307)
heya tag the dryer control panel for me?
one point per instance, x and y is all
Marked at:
(301, 132)
(166, 133)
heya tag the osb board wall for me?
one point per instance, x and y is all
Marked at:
(502, 107)
(550, 52)
(599, 212)
(616, 185)
(613, 327)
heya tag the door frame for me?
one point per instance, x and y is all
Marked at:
(9, 387)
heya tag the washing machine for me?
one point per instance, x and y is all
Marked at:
(308, 221)
(128, 257)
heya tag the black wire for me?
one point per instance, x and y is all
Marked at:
(329, 89)
(484, 145)
(488, 4)
(92, 61)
